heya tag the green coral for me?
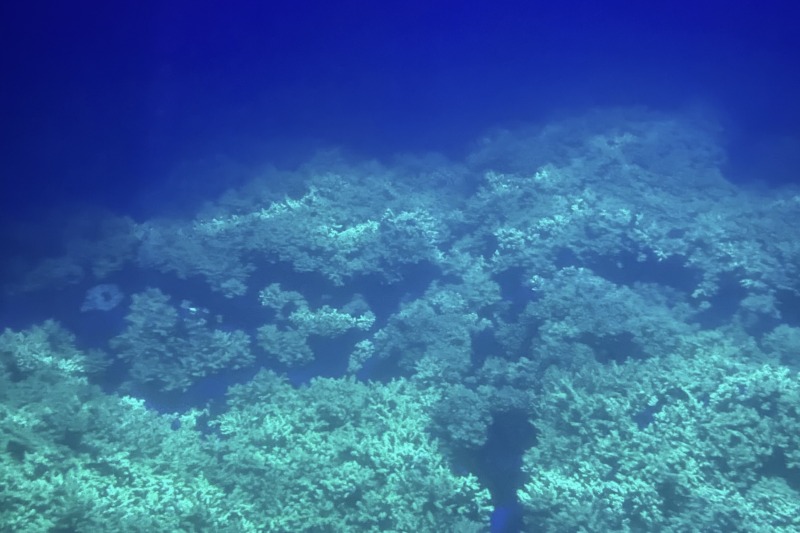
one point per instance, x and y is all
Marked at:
(47, 347)
(340, 455)
(190, 251)
(337, 455)
(438, 325)
(73, 458)
(579, 255)
(287, 340)
(717, 422)
(174, 346)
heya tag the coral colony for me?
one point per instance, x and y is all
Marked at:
(597, 282)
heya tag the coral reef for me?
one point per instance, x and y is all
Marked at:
(598, 278)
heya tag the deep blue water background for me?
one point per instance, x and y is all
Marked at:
(100, 101)
(104, 103)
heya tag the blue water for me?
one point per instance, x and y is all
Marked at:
(545, 249)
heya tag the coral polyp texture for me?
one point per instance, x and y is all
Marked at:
(584, 321)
